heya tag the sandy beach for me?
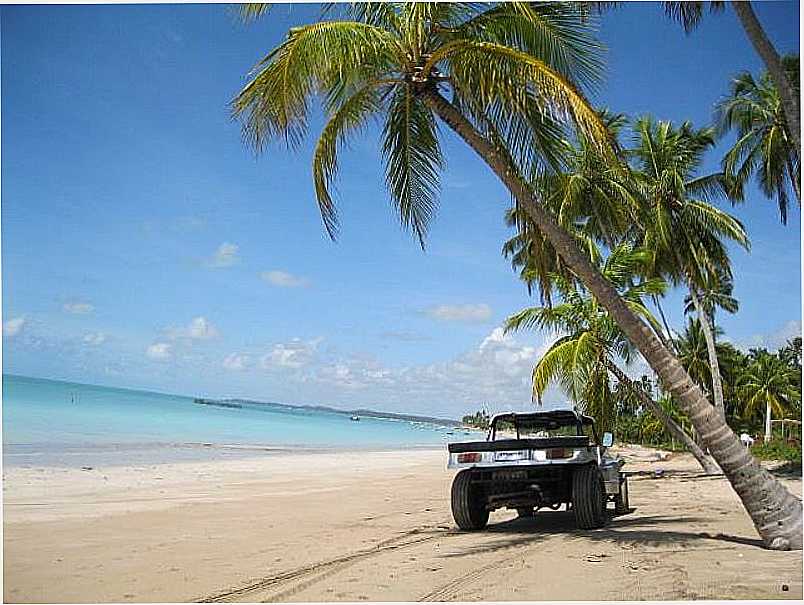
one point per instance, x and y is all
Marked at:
(367, 527)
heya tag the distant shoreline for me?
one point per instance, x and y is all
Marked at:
(368, 413)
(235, 402)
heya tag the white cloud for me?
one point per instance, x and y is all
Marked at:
(282, 279)
(466, 313)
(294, 354)
(199, 328)
(78, 308)
(776, 339)
(340, 374)
(355, 373)
(497, 370)
(159, 351)
(496, 373)
(94, 338)
(236, 361)
(225, 256)
(13, 326)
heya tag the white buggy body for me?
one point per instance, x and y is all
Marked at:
(534, 460)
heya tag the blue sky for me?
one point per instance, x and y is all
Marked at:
(144, 246)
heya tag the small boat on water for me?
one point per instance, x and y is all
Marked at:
(354, 418)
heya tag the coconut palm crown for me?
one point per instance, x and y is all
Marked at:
(678, 221)
(516, 70)
(764, 146)
(768, 385)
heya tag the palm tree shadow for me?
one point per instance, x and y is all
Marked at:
(622, 530)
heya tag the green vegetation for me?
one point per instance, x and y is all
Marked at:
(789, 451)
(478, 420)
(580, 361)
(765, 147)
(508, 79)
(752, 383)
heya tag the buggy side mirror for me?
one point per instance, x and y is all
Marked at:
(608, 439)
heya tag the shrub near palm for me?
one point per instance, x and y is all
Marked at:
(512, 70)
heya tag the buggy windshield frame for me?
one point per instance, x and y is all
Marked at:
(543, 421)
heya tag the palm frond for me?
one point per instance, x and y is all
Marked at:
(552, 364)
(253, 10)
(348, 119)
(321, 56)
(557, 33)
(495, 73)
(413, 160)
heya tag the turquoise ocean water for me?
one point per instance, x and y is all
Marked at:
(47, 422)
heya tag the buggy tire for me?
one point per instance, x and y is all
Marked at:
(525, 512)
(589, 497)
(621, 504)
(468, 508)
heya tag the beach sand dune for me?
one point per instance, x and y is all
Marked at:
(367, 527)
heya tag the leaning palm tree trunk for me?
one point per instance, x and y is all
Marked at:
(709, 337)
(776, 513)
(765, 49)
(709, 466)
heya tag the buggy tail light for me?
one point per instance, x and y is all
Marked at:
(469, 457)
(558, 452)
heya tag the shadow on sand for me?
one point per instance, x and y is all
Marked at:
(624, 530)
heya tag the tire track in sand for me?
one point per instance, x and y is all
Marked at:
(450, 590)
(308, 575)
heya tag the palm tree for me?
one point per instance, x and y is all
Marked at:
(678, 223)
(507, 66)
(732, 363)
(689, 15)
(790, 353)
(768, 383)
(591, 200)
(716, 291)
(764, 145)
(692, 352)
(652, 430)
(581, 360)
(535, 257)
(627, 401)
(694, 355)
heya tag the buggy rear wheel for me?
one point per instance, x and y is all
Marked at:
(468, 507)
(589, 497)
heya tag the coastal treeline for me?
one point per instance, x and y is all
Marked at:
(755, 384)
(478, 420)
(510, 81)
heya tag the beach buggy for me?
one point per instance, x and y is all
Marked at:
(537, 460)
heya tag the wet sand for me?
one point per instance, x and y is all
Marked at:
(367, 526)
